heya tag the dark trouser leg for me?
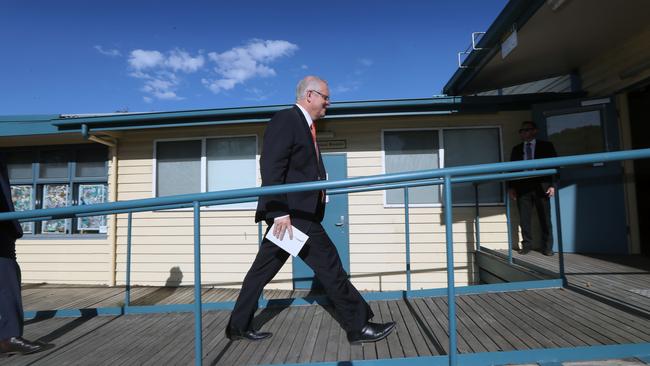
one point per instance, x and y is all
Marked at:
(525, 207)
(11, 305)
(543, 206)
(268, 262)
(320, 254)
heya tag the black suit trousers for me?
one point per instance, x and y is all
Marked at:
(535, 199)
(11, 306)
(320, 254)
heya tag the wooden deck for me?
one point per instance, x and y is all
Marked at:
(622, 281)
(583, 314)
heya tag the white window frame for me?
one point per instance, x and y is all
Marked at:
(246, 206)
(441, 161)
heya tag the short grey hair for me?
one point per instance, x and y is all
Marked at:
(308, 83)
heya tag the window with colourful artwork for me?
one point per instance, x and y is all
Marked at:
(51, 177)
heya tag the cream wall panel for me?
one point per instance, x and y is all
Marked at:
(229, 238)
(56, 260)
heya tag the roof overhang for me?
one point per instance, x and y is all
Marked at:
(341, 110)
(88, 125)
(554, 37)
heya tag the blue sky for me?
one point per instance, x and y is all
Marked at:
(104, 56)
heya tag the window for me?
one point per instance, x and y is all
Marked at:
(471, 146)
(576, 133)
(409, 150)
(207, 165)
(178, 164)
(58, 177)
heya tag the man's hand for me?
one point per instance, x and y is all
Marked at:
(550, 191)
(513, 194)
(282, 225)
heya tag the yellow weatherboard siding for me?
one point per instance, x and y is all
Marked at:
(163, 241)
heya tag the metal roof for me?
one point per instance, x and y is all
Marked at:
(85, 124)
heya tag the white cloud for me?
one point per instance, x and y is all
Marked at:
(143, 59)
(240, 64)
(159, 71)
(112, 52)
(304, 67)
(180, 60)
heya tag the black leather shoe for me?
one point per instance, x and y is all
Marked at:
(21, 346)
(372, 332)
(251, 335)
(524, 251)
(548, 253)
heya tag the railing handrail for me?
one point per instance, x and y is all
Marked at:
(466, 170)
(419, 183)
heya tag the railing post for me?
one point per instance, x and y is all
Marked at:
(408, 240)
(477, 220)
(198, 326)
(127, 295)
(558, 230)
(509, 223)
(451, 290)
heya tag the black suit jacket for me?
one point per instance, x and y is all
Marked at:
(9, 230)
(543, 150)
(289, 156)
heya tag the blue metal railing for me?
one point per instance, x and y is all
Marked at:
(446, 176)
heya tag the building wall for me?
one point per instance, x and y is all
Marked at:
(67, 260)
(163, 241)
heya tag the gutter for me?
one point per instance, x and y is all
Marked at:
(513, 16)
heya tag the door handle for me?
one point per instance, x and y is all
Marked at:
(341, 222)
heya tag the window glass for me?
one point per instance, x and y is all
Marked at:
(90, 194)
(231, 163)
(178, 167)
(91, 163)
(576, 133)
(53, 196)
(53, 186)
(409, 151)
(54, 164)
(23, 198)
(19, 165)
(485, 148)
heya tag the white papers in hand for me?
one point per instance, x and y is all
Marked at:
(291, 246)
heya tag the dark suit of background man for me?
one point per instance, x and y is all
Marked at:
(290, 155)
(11, 306)
(533, 193)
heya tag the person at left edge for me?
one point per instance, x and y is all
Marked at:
(11, 306)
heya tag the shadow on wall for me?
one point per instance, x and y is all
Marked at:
(160, 294)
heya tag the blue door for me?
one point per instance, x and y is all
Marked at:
(592, 201)
(335, 224)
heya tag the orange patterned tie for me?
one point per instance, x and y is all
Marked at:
(313, 137)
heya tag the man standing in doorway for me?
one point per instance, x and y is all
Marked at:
(533, 193)
(290, 154)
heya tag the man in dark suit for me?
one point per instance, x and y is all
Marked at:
(11, 306)
(290, 154)
(533, 193)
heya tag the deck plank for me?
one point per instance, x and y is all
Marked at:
(583, 314)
